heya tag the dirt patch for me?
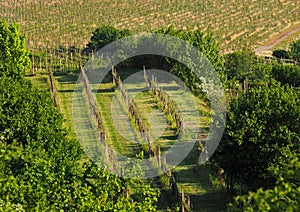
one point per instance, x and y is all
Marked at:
(278, 39)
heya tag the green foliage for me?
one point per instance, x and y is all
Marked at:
(261, 136)
(105, 35)
(29, 180)
(239, 64)
(243, 70)
(283, 197)
(27, 114)
(287, 74)
(44, 174)
(207, 46)
(14, 57)
(281, 54)
(42, 170)
(204, 42)
(165, 181)
(295, 50)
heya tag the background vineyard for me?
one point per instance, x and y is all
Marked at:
(235, 24)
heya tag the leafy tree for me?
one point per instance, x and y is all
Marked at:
(261, 136)
(105, 35)
(42, 170)
(27, 114)
(239, 65)
(207, 46)
(287, 74)
(30, 180)
(204, 42)
(283, 197)
(14, 57)
(295, 50)
(243, 68)
(281, 54)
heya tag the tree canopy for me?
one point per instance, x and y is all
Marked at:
(261, 136)
(104, 35)
(295, 50)
(283, 197)
(14, 57)
(204, 42)
(287, 74)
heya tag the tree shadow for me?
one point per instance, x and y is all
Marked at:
(103, 90)
(70, 78)
(212, 201)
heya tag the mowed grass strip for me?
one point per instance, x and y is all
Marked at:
(40, 80)
(161, 132)
(65, 85)
(119, 132)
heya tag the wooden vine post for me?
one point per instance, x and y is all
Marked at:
(159, 157)
(182, 199)
(53, 90)
(33, 68)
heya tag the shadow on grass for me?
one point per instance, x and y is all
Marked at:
(69, 91)
(204, 196)
(169, 137)
(137, 89)
(103, 90)
(168, 88)
(212, 201)
(42, 79)
(70, 78)
(66, 72)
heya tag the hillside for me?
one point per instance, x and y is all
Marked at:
(161, 127)
(235, 24)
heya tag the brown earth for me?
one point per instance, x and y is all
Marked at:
(278, 39)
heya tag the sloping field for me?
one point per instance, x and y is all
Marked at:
(235, 23)
(121, 133)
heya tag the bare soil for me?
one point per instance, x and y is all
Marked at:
(279, 38)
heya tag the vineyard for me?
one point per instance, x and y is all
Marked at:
(235, 24)
(214, 130)
(195, 191)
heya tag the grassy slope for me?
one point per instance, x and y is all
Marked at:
(196, 183)
(118, 126)
(65, 85)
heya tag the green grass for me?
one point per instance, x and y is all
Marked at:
(196, 181)
(118, 126)
(161, 132)
(41, 80)
(65, 85)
